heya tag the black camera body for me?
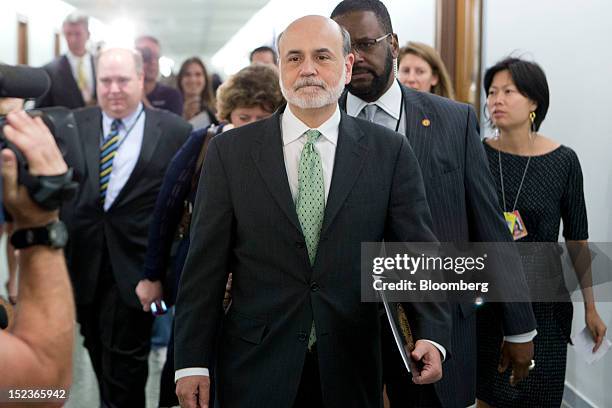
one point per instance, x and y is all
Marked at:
(24, 82)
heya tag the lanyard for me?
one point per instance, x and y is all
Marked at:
(128, 131)
(501, 177)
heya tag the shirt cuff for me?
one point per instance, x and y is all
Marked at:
(186, 372)
(439, 347)
(521, 338)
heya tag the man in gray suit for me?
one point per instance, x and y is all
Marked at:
(460, 192)
(284, 204)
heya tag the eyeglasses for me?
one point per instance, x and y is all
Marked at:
(367, 44)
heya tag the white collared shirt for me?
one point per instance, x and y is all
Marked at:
(87, 70)
(390, 102)
(294, 139)
(127, 153)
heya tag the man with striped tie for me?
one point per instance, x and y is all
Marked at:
(126, 149)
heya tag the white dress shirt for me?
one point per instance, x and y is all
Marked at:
(127, 153)
(391, 103)
(87, 70)
(294, 139)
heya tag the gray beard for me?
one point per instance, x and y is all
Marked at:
(328, 97)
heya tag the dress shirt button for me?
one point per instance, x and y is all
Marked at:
(314, 286)
(302, 337)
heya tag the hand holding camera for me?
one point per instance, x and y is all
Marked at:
(33, 138)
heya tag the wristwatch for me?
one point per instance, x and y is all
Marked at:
(54, 235)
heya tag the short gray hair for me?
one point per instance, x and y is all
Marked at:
(77, 17)
(346, 41)
(135, 54)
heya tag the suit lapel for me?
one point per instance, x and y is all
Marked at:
(421, 126)
(350, 156)
(68, 78)
(269, 160)
(151, 135)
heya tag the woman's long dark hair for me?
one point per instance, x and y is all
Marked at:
(207, 99)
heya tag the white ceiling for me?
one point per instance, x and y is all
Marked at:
(184, 27)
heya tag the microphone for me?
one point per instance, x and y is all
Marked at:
(23, 82)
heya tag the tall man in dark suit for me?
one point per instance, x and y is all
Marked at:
(126, 149)
(73, 77)
(284, 204)
(445, 138)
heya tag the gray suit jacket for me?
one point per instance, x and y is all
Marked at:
(122, 231)
(464, 207)
(245, 222)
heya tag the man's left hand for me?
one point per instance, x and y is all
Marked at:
(429, 362)
(518, 355)
(149, 292)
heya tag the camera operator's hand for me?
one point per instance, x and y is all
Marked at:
(44, 158)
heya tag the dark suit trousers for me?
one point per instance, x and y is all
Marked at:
(401, 391)
(309, 392)
(118, 340)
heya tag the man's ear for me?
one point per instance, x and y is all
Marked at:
(394, 46)
(348, 65)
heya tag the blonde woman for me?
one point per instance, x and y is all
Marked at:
(421, 68)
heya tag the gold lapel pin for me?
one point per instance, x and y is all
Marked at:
(426, 122)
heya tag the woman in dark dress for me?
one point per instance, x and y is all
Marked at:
(539, 183)
(251, 94)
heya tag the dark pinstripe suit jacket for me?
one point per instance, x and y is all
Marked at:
(245, 221)
(464, 207)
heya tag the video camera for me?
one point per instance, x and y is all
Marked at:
(25, 82)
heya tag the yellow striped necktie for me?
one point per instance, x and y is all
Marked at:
(81, 77)
(108, 151)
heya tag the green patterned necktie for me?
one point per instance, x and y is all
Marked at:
(310, 203)
(311, 194)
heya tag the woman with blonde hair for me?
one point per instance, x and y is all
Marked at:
(421, 68)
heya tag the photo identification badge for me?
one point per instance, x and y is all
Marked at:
(515, 224)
